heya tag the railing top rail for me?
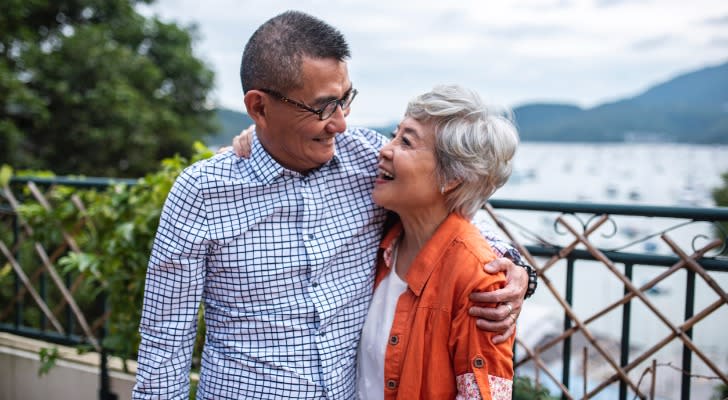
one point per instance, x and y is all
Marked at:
(81, 181)
(694, 213)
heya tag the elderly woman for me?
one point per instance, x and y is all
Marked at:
(449, 154)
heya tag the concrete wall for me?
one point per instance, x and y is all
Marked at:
(73, 377)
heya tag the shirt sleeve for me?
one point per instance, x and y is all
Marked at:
(501, 247)
(483, 370)
(505, 249)
(172, 293)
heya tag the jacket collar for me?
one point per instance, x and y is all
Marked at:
(429, 257)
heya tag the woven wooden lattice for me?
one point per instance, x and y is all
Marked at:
(47, 262)
(581, 324)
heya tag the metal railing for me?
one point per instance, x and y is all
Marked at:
(576, 249)
(559, 239)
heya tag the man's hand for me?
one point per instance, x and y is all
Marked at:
(508, 300)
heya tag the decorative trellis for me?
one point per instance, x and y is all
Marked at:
(47, 260)
(581, 238)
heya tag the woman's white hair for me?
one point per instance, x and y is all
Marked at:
(474, 144)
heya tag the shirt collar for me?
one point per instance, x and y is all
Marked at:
(429, 257)
(267, 169)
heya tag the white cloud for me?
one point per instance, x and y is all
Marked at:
(582, 52)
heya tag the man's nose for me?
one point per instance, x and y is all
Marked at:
(337, 121)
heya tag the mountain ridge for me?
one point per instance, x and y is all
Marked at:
(691, 107)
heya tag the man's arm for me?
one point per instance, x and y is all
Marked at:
(242, 143)
(172, 293)
(521, 283)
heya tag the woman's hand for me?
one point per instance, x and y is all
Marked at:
(242, 143)
(505, 303)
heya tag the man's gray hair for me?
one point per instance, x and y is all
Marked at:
(272, 57)
(474, 144)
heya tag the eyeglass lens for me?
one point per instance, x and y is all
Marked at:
(330, 107)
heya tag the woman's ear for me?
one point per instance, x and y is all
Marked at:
(451, 185)
(256, 103)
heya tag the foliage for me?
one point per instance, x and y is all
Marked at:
(92, 87)
(48, 358)
(524, 389)
(720, 392)
(720, 195)
(115, 232)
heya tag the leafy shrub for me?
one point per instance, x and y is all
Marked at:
(115, 232)
(524, 389)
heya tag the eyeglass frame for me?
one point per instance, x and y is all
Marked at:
(320, 112)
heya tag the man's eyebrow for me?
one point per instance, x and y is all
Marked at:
(326, 99)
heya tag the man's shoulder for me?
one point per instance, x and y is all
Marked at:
(221, 166)
(357, 146)
(362, 137)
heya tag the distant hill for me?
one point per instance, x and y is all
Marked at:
(690, 108)
(231, 123)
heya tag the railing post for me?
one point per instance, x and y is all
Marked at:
(69, 312)
(18, 320)
(687, 354)
(566, 356)
(43, 292)
(105, 392)
(626, 318)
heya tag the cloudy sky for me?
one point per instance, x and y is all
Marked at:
(583, 52)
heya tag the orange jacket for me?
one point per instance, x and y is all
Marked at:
(435, 351)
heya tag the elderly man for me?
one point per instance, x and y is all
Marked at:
(280, 246)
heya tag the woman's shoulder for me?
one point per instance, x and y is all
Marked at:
(467, 255)
(470, 243)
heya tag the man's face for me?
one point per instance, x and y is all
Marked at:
(296, 138)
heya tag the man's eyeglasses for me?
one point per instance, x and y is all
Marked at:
(324, 112)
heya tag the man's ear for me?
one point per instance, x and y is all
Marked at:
(257, 103)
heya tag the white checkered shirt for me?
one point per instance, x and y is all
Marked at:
(285, 266)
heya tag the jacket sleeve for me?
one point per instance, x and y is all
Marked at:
(172, 293)
(483, 370)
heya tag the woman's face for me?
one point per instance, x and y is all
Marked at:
(406, 182)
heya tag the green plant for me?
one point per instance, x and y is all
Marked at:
(48, 357)
(114, 231)
(524, 389)
(720, 195)
(720, 392)
(98, 88)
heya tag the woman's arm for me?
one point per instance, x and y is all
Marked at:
(481, 366)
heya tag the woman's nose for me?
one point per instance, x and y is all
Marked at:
(386, 151)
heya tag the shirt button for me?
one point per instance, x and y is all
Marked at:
(478, 362)
(309, 236)
(394, 340)
(322, 333)
(314, 284)
(391, 384)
